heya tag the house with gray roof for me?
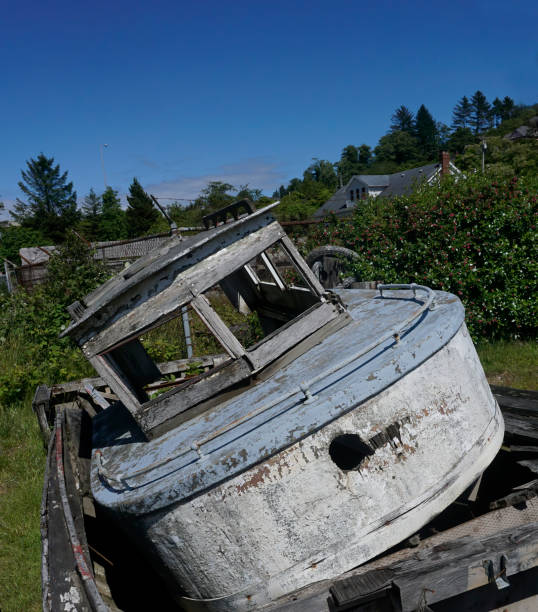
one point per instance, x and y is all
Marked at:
(361, 186)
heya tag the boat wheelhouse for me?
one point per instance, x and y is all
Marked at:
(232, 263)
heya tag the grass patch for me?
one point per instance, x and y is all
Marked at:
(510, 364)
(22, 463)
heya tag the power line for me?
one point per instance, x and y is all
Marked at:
(174, 198)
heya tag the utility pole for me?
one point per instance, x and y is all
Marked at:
(103, 164)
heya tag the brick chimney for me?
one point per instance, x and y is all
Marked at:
(445, 160)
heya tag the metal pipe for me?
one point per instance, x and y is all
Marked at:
(187, 331)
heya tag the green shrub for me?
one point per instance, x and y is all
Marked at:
(475, 237)
(30, 322)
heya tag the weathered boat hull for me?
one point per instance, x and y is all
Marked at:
(298, 518)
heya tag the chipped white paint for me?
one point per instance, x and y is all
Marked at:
(71, 600)
(298, 518)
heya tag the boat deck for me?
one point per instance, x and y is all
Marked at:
(389, 336)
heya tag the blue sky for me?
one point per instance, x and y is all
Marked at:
(246, 92)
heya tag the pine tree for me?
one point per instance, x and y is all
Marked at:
(112, 224)
(426, 133)
(508, 107)
(52, 204)
(480, 112)
(459, 139)
(92, 209)
(402, 120)
(497, 110)
(461, 116)
(141, 213)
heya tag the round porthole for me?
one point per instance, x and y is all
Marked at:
(348, 450)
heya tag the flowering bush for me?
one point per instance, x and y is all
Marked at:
(475, 238)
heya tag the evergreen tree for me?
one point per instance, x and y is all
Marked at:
(497, 111)
(397, 147)
(480, 112)
(51, 205)
(92, 210)
(402, 120)
(461, 116)
(426, 133)
(459, 139)
(443, 135)
(365, 156)
(112, 225)
(508, 108)
(141, 213)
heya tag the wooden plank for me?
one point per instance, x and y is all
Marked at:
(518, 405)
(511, 392)
(160, 415)
(273, 272)
(217, 327)
(168, 367)
(60, 563)
(194, 281)
(307, 273)
(114, 380)
(518, 425)
(450, 562)
(291, 333)
(531, 464)
(41, 408)
(161, 273)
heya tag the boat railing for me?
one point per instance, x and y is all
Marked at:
(304, 388)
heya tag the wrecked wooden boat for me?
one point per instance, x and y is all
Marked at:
(334, 425)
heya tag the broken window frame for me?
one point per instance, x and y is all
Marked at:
(247, 360)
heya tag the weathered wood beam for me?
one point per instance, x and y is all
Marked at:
(445, 565)
(194, 281)
(160, 415)
(161, 271)
(300, 263)
(291, 333)
(217, 327)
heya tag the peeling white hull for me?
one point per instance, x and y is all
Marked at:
(297, 518)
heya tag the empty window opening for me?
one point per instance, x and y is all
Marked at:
(243, 322)
(274, 266)
(348, 451)
(262, 297)
(244, 309)
(136, 360)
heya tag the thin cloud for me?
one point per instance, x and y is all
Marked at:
(257, 173)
